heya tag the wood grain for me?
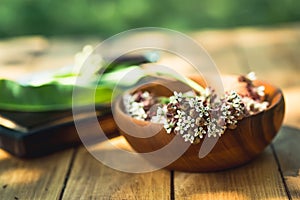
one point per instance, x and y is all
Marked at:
(287, 150)
(259, 179)
(90, 179)
(40, 178)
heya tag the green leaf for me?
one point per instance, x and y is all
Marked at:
(57, 93)
(51, 96)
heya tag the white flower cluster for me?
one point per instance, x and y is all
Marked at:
(253, 106)
(232, 109)
(160, 116)
(254, 101)
(135, 105)
(193, 117)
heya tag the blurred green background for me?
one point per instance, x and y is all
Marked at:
(107, 17)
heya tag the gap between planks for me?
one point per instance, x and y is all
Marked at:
(286, 148)
(75, 150)
(281, 173)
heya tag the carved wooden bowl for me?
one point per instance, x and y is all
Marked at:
(234, 148)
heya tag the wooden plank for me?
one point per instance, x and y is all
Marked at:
(90, 179)
(259, 179)
(287, 150)
(40, 178)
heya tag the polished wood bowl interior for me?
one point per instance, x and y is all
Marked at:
(234, 148)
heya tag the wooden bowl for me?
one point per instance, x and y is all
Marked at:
(232, 149)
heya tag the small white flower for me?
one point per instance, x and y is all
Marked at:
(136, 110)
(160, 116)
(145, 95)
(187, 137)
(180, 114)
(207, 92)
(176, 98)
(213, 129)
(169, 126)
(261, 91)
(158, 119)
(173, 99)
(251, 76)
(162, 111)
(264, 105)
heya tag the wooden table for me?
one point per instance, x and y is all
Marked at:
(273, 53)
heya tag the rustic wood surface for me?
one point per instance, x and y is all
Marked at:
(273, 53)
